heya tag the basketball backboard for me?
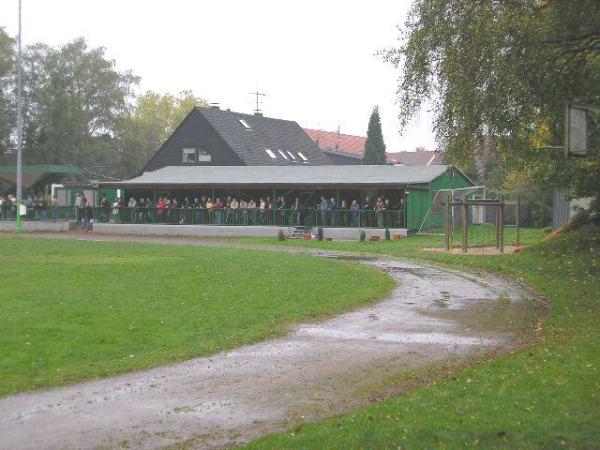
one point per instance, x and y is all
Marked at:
(582, 130)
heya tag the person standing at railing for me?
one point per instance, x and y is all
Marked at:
(262, 208)
(234, 206)
(160, 210)
(4, 208)
(243, 211)
(115, 210)
(343, 214)
(83, 202)
(54, 208)
(333, 212)
(210, 206)
(323, 208)
(130, 215)
(354, 214)
(149, 211)
(252, 212)
(366, 212)
(296, 208)
(379, 208)
(139, 210)
(280, 205)
(88, 217)
(270, 208)
(219, 206)
(77, 206)
(104, 208)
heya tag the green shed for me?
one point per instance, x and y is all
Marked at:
(419, 197)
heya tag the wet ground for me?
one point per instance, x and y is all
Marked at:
(434, 319)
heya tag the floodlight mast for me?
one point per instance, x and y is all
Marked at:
(19, 128)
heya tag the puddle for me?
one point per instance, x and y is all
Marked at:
(433, 338)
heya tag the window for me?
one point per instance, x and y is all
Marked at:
(282, 154)
(244, 124)
(301, 155)
(270, 153)
(188, 156)
(204, 155)
(291, 155)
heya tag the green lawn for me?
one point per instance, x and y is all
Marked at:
(74, 310)
(546, 395)
(411, 246)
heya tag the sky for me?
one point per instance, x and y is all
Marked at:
(317, 61)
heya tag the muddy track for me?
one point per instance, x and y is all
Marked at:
(434, 318)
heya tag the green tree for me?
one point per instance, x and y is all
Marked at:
(74, 99)
(7, 71)
(374, 147)
(499, 75)
(151, 121)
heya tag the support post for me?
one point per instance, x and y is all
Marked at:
(19, 225)
(497, 217)
(447, 224)
(501, 229)
(465, 217)
(517, 220)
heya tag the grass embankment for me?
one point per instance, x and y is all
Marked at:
(546, 395)
(74, 310)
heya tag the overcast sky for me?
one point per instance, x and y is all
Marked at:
(315, 60)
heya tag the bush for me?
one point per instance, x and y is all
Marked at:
(281, 235)
(387, 234)
(363, 235)
(320, 234)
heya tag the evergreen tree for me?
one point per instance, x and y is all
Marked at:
(374, 147)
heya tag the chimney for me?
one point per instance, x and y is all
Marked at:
(214, 106)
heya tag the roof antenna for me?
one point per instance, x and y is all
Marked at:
(258, 94)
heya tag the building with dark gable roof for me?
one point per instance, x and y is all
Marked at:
(215, 137)
(217, 154)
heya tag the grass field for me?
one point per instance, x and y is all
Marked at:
(74, 310)
(546, 395)
(411, 246)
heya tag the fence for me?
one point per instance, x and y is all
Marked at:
(392, 218)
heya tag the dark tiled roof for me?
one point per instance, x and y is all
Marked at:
(264, 133)
(418, 158)
(343, 158)
(331, 140)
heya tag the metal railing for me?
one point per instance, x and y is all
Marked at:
(363, 218)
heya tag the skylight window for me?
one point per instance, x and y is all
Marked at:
(244, 124)
(188, 155)
(291, 155)
(270, 153)
(282, 154)
(301, 155)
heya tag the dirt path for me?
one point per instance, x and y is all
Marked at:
(434, 317)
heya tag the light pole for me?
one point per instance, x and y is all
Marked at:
(19, 129)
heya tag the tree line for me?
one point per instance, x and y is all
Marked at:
(78, 108)
(499, 74)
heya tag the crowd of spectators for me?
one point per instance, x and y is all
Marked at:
(231, 210)
(227, 210)
(37, 206)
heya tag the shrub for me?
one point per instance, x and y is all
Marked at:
(363, 235)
